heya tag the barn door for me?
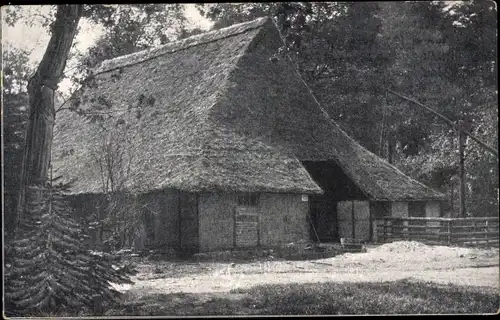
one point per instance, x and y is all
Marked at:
(188, 220)
(354, 220)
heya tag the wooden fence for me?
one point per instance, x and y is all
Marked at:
(448, 231)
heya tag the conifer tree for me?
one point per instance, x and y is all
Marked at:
(52, 271)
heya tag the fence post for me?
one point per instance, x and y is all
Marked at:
(389, 229)
(486, 234)
(375, 231)
(449, 232)
(452, 223)
(385, 230)
(409, 230)
(404, 229)
(474, 231)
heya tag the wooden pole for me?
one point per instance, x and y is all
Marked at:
(353, 221)
(463, 126)
(390, 148)
(452, 187)
(486, 229)
(385, 230)
(461, 170)
(450, 232)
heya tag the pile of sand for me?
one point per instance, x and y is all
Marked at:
(413, 255)
(402, 246)
(417, 248)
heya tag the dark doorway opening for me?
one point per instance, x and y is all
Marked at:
(323, 208)
(324, 219)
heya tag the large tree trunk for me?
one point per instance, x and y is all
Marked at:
(41, 89)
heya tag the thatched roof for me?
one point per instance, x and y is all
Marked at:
(214, 112)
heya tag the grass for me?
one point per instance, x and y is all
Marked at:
(399, 297)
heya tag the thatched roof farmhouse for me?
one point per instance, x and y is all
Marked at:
(215, 116)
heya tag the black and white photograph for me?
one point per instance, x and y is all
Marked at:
(250, 159)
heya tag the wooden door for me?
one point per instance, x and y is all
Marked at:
(354, 220)
(188, 221)
(246, 227)
(362, 221)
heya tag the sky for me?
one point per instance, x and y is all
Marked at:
(35, 38)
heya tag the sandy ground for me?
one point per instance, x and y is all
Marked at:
(389, 262)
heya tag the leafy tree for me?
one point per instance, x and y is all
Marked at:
(16, 71)
(469, 71)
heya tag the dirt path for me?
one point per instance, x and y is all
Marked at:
(395, 261)
(223, 283)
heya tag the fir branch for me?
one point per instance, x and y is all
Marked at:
(50, 269)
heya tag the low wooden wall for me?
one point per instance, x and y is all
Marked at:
(482, 231)
(158, 214)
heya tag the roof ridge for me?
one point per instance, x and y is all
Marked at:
(171, 47)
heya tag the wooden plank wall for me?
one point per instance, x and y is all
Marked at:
(282, 218)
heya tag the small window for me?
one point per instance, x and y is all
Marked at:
(248, 199)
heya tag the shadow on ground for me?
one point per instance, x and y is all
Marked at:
(398, 297)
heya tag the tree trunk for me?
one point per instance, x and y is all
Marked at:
(452, 195)
(41, 89)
